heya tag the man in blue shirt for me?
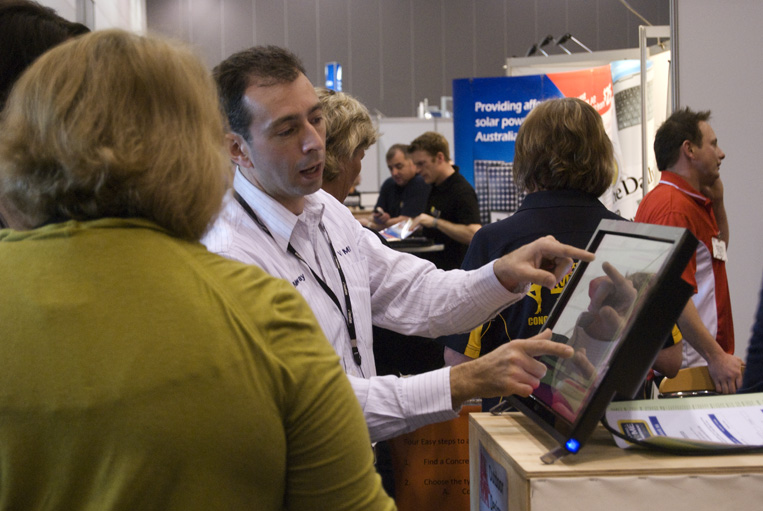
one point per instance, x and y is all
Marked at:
(404, 194)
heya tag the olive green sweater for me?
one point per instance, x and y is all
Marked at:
(138, 371)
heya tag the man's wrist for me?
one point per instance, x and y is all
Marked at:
(461, 384)
(711, 352)
(434, 222)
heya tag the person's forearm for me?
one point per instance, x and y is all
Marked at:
(669, 360)
(715, 193)
(696, 334)
(719, 209)
(464, 384)
(463, 233)
(392, 405)
(725, 369)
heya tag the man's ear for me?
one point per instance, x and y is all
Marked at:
(687, 148)
(238, 150)
(440, 157)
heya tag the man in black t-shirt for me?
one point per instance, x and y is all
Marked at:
(452, 213)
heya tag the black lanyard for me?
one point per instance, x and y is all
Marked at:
(349, 320)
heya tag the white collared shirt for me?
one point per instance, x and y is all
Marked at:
(390, 289)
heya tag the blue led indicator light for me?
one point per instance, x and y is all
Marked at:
(572, 445)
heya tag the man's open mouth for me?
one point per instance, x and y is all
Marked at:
(315, 169)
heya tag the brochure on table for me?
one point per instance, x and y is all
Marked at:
(399, 231)
(701, 423)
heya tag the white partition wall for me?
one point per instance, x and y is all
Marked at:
(65, 8)
(720, 67)
(397, 130)
(102, 14)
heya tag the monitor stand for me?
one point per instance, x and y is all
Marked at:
(551, 456)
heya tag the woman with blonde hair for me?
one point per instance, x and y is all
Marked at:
(349, 132)
(138, 370)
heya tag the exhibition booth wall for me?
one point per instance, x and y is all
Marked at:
(718, 49)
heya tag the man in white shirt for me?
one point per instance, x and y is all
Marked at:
(279, 219)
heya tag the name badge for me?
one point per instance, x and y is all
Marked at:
(719, 249)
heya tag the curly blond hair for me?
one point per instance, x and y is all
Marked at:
(348, 128)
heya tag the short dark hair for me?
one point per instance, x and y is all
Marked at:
(27, 30)
(680, 126)
(264, 65)
(403, 148)
(432, 143)
(561, 145)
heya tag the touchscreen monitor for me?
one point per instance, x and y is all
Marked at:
(616, 312)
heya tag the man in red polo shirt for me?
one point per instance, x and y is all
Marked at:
(690, 195)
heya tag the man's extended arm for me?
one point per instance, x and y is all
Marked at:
(410, 296)
(381, 219)
(462, 233)
(393, 405)
(725, 369)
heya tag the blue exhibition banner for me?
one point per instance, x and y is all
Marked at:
(488, 113)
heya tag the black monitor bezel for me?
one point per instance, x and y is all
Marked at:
(662, 305)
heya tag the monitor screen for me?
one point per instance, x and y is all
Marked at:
(616, 312)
